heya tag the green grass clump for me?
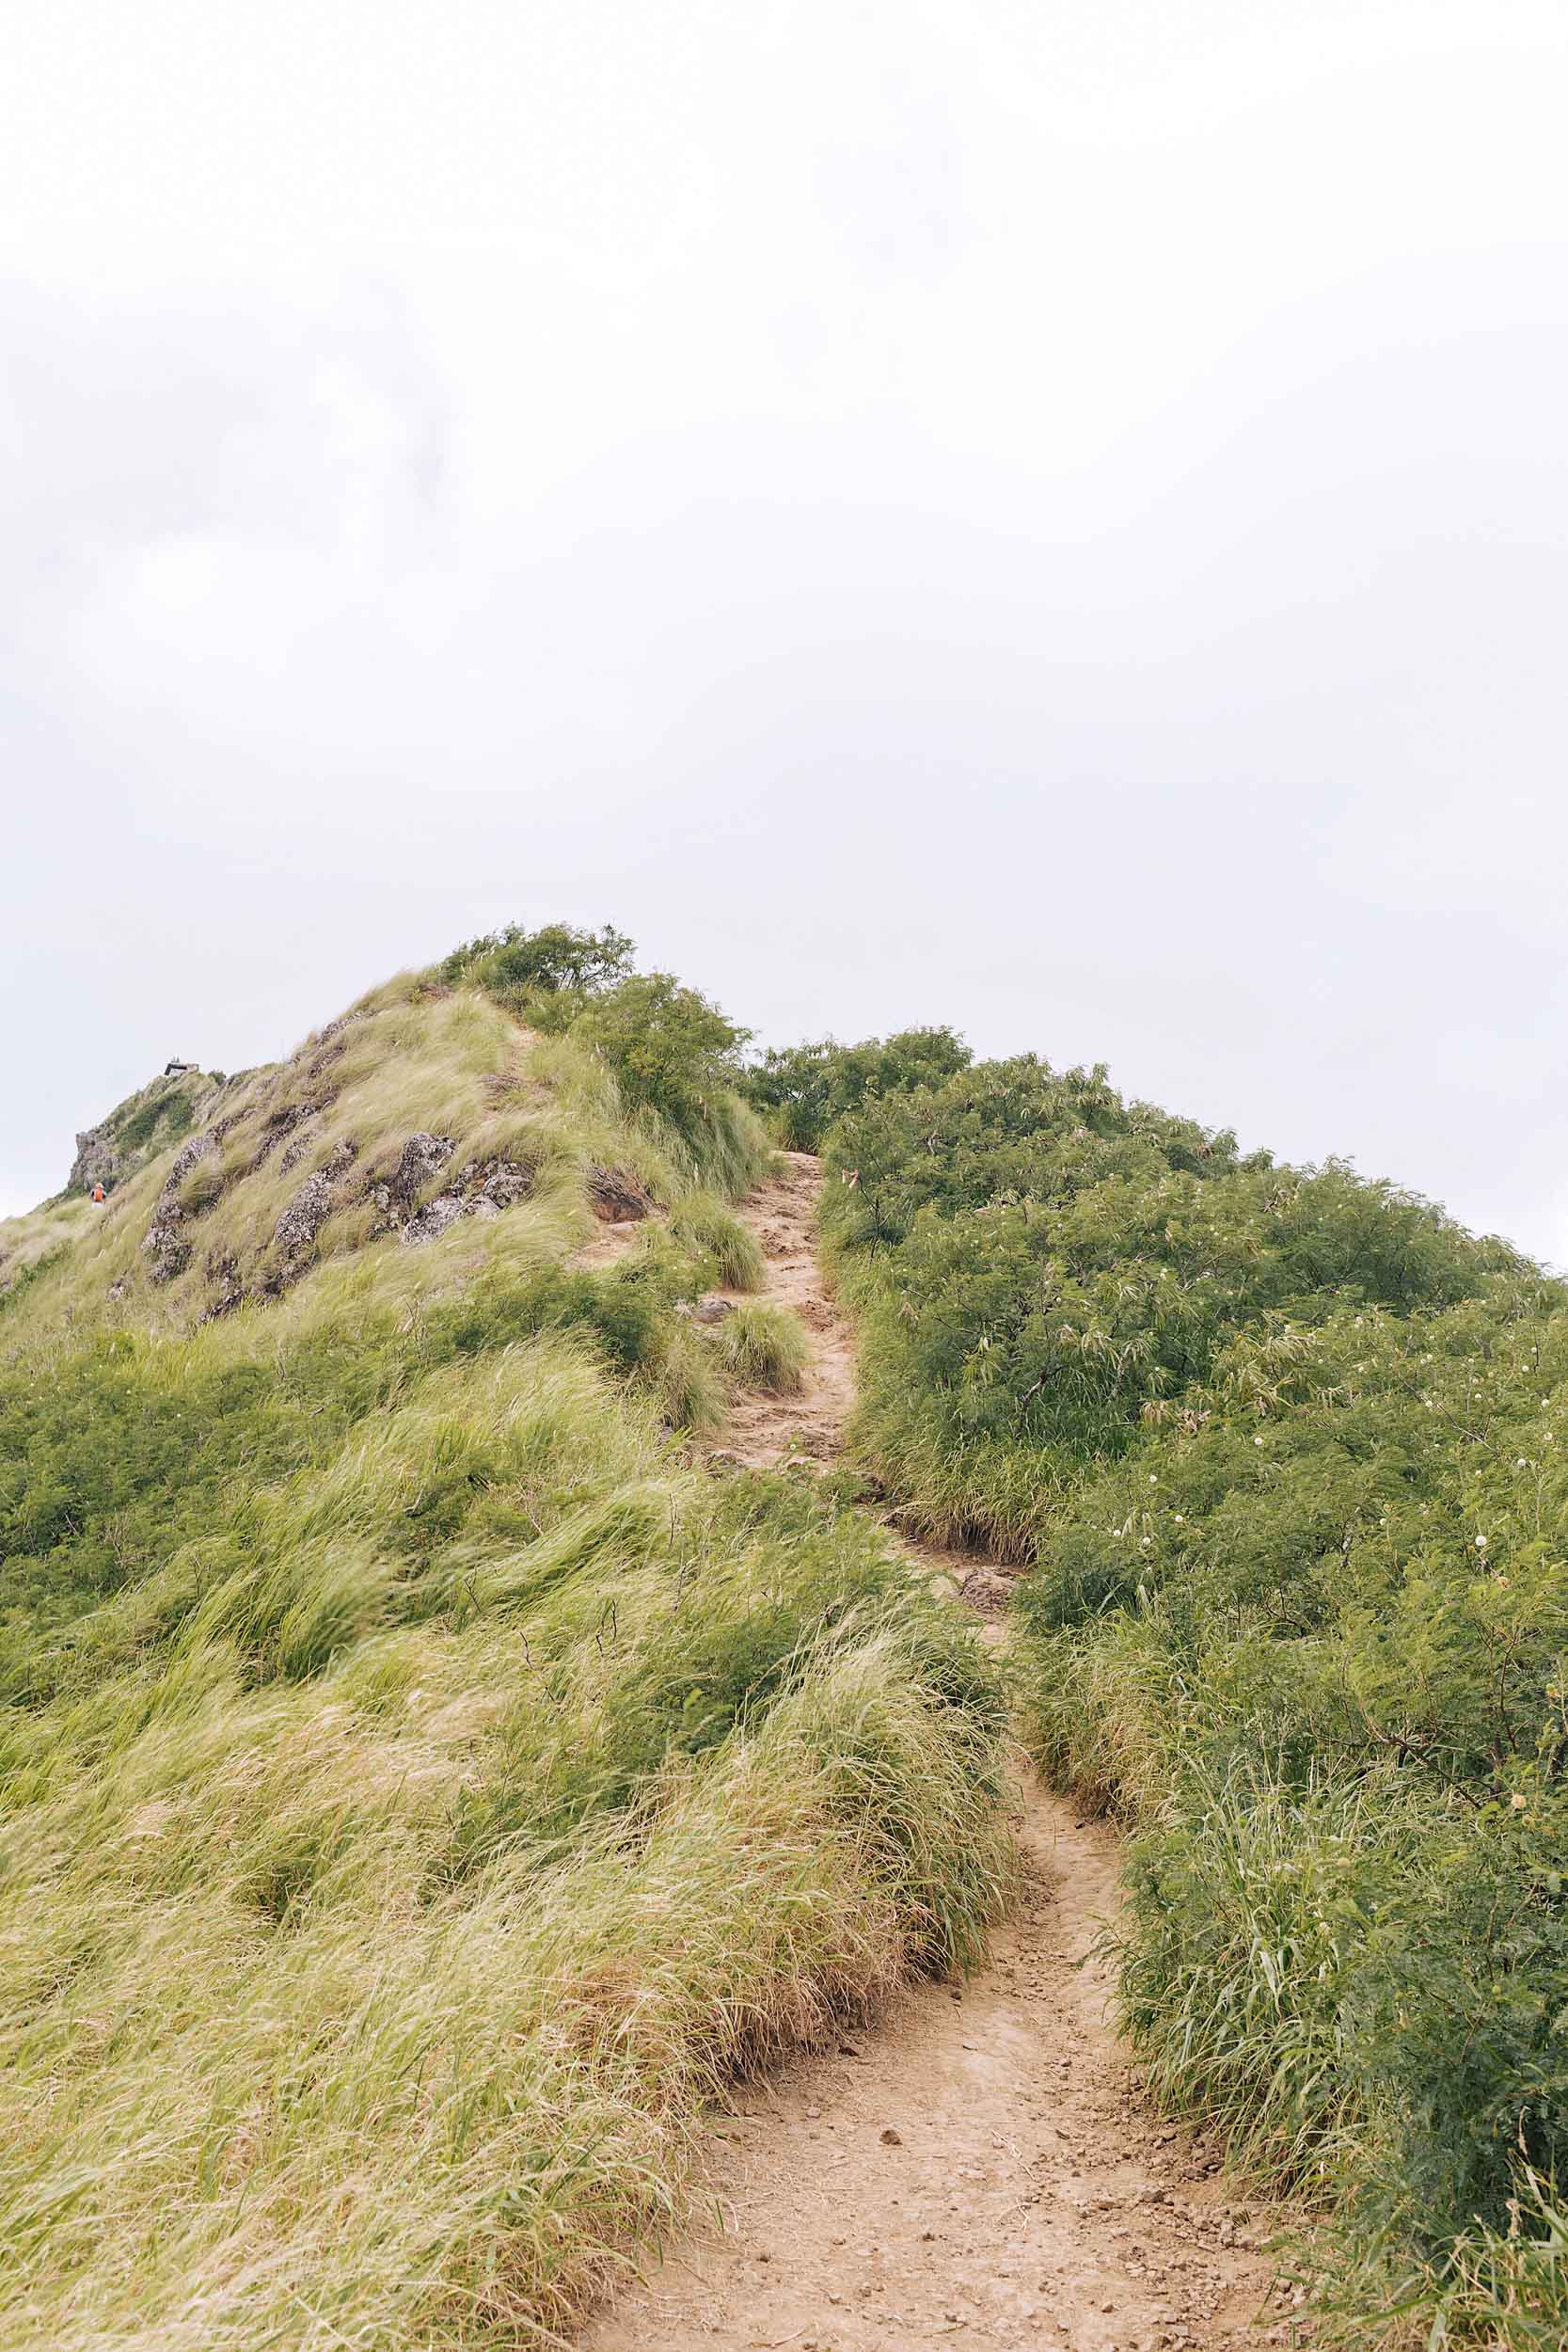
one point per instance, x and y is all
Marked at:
(763, 1347)
(704, 1224)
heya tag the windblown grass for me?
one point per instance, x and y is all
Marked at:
(421, 1791)
(715, 1233)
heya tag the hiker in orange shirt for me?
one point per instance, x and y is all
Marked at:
(99, 1195)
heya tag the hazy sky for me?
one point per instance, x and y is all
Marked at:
(1050, 517)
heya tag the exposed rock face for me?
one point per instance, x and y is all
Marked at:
(499, 1183)
(284, 1121)
(139, 1128)
(423, 1156)
(97, 1160)
(305, 1216)
(312, 1204)
(227, 1292)
(614, 1194)
(165, 1240)
(484, 1188)
(434, 1218)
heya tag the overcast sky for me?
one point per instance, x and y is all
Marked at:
(1045, 515)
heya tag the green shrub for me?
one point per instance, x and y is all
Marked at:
(555, 961)
(1282, 1449)
(801, 1089)
(673, 1053)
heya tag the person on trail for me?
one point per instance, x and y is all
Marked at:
(99, 1195)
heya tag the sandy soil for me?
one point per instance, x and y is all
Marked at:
(981, 2170)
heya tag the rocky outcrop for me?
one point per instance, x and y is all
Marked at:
(305, 1216)
(435, 1218)
(97, 1161)
(615, 1195)
(294, 1234)
(484, 1188)
(165, 1241)
(423, 1156)
(138, 1129)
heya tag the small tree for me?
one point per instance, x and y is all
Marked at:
(671, 1050)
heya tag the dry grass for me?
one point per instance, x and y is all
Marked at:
(461, 1791)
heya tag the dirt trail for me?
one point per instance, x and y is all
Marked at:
(980, 2169)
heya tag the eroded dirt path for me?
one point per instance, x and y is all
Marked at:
(980, 2169)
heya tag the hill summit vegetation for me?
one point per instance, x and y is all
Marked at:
(423, 1784)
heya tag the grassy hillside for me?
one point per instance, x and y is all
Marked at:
(1281, 1451)
(420, 1787)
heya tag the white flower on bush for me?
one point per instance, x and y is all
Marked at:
(1480, 1543)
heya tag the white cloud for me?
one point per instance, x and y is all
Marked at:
(1047, 519)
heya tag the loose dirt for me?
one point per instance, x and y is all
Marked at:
(981, 2170)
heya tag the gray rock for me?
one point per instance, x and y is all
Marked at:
(293, 1151)
(306, 1213)
(165, 1240)
(435, 1218)
(194, 1148)
(166, 1244)
(712, 1308)
(97, 1161)
(423, 1156)
(501, 1183)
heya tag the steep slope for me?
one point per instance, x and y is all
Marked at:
(422, 1785)
(141, 1129)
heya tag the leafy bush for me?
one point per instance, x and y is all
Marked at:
(801, 1089)
(673, 1053)
(559, 962)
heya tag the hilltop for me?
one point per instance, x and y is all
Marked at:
(481, 1672)
(424, 1782)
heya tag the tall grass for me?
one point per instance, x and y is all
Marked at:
(714, 1232)
(763, 1347)
(421, 1791)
